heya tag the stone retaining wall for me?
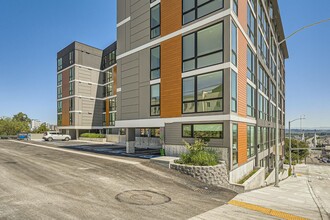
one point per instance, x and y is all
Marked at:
(100, 140)
(212, 175)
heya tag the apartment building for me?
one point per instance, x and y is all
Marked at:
(189, 69)
(86, 92)
(185, 69)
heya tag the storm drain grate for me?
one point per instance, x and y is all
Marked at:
(142, 197)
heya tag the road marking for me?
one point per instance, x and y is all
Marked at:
(266, 211)
(80, 153)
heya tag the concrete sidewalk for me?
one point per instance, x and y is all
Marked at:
(294, 199)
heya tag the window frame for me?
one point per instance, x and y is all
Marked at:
(158, 68)
(192, 130)
(236, 92)
(236, 151)
(160, 21)
(233, 27)
(159, 105)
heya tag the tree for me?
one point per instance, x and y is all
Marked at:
(12, 126)
(42, 128)
(296, 155)
(22, 118)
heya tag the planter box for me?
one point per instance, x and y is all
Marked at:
(212, 175)
(256, 181)
(99, 140)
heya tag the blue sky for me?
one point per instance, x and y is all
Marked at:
(33, 31)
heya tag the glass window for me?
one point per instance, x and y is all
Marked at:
(235, 7)
(250, 23)
(59, 79)
(59, 92)
(202, 131)
(71, 57)
(59, 64)
(112, 118)
(233, 44)
(155, 21)
(250, 141)
(155, 63)
(71, 118)
(250, 101)
(72, 74)
(71, 88)
(233, 91)
(193, 10)
(59, 120)
(203, 48)
(155, 100)
(113, 104)
(203, 93)
(59, 106)
(235, 144)
(263, 80)
(71, 107)
(250, 65)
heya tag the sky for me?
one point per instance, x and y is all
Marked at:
(33, 31)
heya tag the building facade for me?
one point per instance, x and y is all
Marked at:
(188, 69)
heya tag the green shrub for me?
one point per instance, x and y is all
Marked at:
(92, 135)
(198, 156)
(248, 176)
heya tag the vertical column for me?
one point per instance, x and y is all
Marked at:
(130, 140)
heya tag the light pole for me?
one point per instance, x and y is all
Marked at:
(277, 156)
(290, 158)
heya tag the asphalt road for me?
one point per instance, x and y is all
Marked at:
(43, 183)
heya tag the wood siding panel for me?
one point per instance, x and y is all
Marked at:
(171, 83)
(65, 112)
(242, 143)
(171, 16)
(107, 111)
(242, 13)
(242, 69)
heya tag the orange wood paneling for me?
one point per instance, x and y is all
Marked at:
(107, 111)
(65, 112)
(171, 16)
(65, 83)
(114, 80)
(242, 69)
(242, 13)
(171, 83)
(242, 143)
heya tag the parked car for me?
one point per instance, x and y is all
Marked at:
(22, 136)
(54, 135)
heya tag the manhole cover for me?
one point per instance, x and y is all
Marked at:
(142, 197)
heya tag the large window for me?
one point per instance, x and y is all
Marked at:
(71, 106)
(250, 65)
(155, 21)
(71, 118)
(59, 106)
(203, 93)
(235, 143)
(71, 57)
(194, 9)
(155, 100)
(263, 48)
(262, 139)
(59, 64)
(109, 90)
(202, 131)
(155, 63)
(263, 80)
(235, 7)
(112, 118)
(250, 141)
(71, 88)
(233, 44)
(59, 120)
(113, 104)
(250, 101)
(233, 91)
(59, 92)
(263, 107)
(250, 23)
(59, 79)
(203, 48)
(108, 76)
(72, 74)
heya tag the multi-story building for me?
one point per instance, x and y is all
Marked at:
(86, 91)
(189, 69)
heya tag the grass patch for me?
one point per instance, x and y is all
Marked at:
(198, 156)
(248, 176)
(92, 135)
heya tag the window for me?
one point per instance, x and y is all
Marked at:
(113, 104)
(108, 90)
(272, 92)
(72, 74)
(263, 107)
(149, 132)
(155, 100)
(59, 64)
(71, 57)
(59, 106)
(103, 120)
(112, 117)
(193, 10)
(233, 91)
(71, 88)
(203, 93)
(203, 48)
(59, 120)
(71, 118)
(263, 48)
(235, 144)
(272, 112)
(250, 141)
(107, 76)
(235, 7)
(155, 21)
(262, 139)
(59, 79)
(233, 44)
(250, 23)
(59, 92)
(155, 63)
(202, 131)
(71, 107)
(263, 80)
(250, 101)
(250, 65)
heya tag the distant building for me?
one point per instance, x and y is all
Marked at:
(35, 124)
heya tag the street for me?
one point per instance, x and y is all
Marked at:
(44, 183)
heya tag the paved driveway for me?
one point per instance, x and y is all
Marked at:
(43, 183)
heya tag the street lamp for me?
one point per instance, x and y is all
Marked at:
(290, 158)
(277, 156)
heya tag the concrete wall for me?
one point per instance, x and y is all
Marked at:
(239, 173)
(256, 181)
(147, 142)
(36, 136)
(120, 139)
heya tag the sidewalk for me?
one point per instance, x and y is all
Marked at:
(292, 200)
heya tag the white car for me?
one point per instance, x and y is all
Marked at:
(54, 135)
